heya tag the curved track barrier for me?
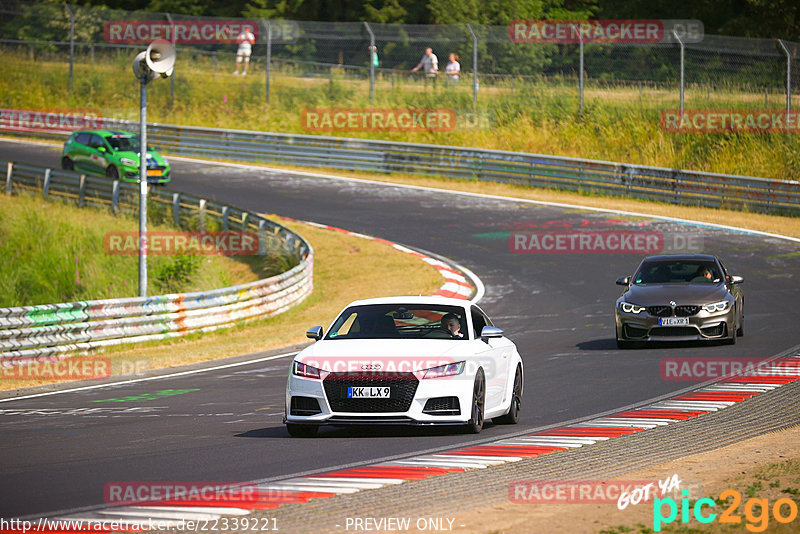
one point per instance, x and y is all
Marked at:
(55, 331)
(569, 174)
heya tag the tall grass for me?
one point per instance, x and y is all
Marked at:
(619, 122)
(53, 252)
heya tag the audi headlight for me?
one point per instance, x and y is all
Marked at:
(717, 306)
(449, 369)
(127, 161)
(305, 370)
(631, 308)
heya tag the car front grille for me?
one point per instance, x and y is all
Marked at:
(404, 386)
(660, 311)
(674, 331)
(686, 311)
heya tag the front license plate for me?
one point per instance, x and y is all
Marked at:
(368, 393)
(673, 321)
(153, 172)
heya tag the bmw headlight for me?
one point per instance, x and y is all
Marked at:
(305, 370)
(127, 161)
(717, 306)
(631, 308)
(449, 369)
(166, 163)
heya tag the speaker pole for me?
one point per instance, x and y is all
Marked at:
(143, 185)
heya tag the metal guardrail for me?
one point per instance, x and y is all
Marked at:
(570, 174)
(55, 331)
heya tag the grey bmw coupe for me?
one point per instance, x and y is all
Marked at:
(680, 298)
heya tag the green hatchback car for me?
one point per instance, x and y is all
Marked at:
(113, 153)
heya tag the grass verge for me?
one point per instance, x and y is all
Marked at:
(51, 251)
(345, 268)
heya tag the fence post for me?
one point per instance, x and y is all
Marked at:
(172, 77)
(176, 209)
(9, 172)
(474, 66)
(267, 68)
(371, 62)
(788, 76)
(82, 191)
(71, 43)
(580, 70)
(680, 42)
(46, 184)
(245, 220)
(115, 197)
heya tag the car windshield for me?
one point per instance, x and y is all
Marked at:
(400, 321)
(678, 272)
(125, 143)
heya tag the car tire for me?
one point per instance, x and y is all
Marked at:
(475, 424)
(730, 340)
(67, 164)
(740, 330)
(301, 431)
(512, 417)
(112, 172)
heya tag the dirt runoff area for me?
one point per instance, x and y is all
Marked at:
(764, 470)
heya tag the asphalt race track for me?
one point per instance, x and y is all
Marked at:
(59, 451)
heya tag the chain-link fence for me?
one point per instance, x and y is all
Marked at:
(717, 70)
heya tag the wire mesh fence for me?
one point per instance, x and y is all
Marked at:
(753, 73)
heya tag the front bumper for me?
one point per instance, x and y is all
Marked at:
(335, 410)
(702, 326)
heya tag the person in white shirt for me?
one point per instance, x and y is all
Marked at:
(245, 41)
(429, 63)
(453, 69)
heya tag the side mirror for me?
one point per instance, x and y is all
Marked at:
(101, 149)
(736, 279)
(315, 333)
(624, 281)
(489, 332)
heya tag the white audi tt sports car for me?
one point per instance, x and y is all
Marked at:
(408, 361)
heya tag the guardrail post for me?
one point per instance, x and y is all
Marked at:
(82, 191)
(46, 184)
(201, 215)
(176, 209)
(245, 220)
(225, 210)
(115, 197)
(262, 237)
(680, 42)
(9, 172)
(788, 76)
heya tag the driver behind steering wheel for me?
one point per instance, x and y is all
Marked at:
(451, 323)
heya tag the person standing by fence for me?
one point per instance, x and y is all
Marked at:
(430, 64)
(452, 69)
(246, 40)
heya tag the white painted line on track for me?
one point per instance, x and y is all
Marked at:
(149, 378)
